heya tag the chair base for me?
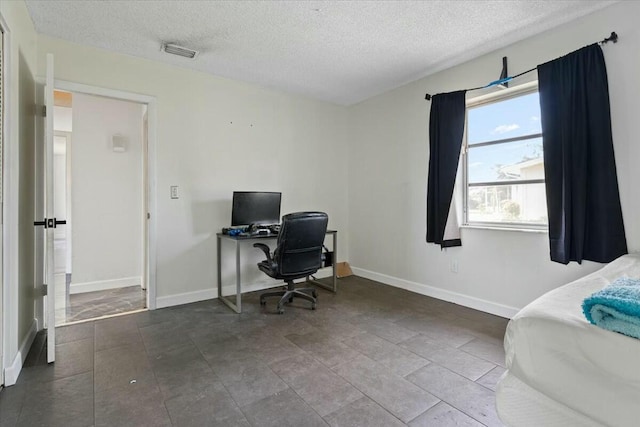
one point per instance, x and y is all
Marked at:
(288, 294)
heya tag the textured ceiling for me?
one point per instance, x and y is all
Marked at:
(338, 51)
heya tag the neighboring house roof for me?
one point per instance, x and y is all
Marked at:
(516, 170)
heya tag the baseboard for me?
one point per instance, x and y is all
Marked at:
(103, 285)
(11, 372)
(186, 298)
(230, 288)
(442, 294)
(195, 296)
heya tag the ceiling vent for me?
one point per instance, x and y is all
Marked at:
(174, 49)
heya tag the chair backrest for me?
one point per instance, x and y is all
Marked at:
(299, 248)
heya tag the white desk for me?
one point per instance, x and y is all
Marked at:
(237, 306)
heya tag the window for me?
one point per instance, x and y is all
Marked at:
(504, 169)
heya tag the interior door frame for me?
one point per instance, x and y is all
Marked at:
(8, 239)
(150, 262)
(67, 230)
(69, 225)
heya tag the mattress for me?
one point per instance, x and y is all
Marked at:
(553, 349)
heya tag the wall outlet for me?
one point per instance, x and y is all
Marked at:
(174, 192)
(454, 265)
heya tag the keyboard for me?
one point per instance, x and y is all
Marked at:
(271, 230)
(267, 230)
(261, 232)
(275, 228)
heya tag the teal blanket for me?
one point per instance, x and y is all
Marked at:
(616, 307)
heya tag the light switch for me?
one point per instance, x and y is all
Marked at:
(174, 192)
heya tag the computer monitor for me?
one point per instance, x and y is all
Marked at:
(255, 207)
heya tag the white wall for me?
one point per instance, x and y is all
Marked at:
(499, 271)
(62, 118)
(215, 136)
(107, 192)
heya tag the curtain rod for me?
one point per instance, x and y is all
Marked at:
(612, 38)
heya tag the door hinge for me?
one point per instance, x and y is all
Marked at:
(148, 215)
(45, 289)
(44, 111)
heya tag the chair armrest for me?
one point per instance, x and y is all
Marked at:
(264, 249)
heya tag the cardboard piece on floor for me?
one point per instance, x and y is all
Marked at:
(343, 270)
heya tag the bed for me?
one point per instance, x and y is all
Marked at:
(563, 371)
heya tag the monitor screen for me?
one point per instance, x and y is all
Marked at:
(255, 207)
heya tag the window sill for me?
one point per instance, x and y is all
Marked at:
(524, 230)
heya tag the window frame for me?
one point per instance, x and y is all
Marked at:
(493, 98)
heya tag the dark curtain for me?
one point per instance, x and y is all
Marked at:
(583, 203)
(446, 129)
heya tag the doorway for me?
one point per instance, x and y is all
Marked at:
(100, 189)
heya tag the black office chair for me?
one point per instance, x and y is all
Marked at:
(298, 254)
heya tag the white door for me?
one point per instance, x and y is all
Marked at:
(2, 115)
(50, 221)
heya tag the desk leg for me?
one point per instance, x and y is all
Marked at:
(219, 261)
(235, 307)
(333, 288)
(335, 261)
(238, 281)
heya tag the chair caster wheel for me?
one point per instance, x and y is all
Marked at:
(314, 294)
(262, 302)
(313, 306)
(280, 311)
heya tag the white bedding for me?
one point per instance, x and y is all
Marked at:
(552, 348)
(522, 406)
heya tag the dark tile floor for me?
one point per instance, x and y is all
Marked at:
(371, 355)
(89, 305)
